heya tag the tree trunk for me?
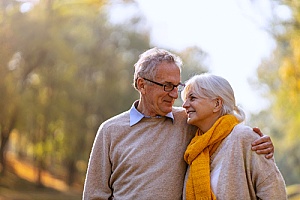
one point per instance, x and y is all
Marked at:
(71, 172)
(5, 132)
(4, 140)
(40, 168)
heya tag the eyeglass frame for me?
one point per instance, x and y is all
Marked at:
(167, 85)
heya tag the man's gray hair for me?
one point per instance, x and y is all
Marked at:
(146, 65)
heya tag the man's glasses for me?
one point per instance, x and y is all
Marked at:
(169, 86)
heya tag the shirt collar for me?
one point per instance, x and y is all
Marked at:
(136, 116)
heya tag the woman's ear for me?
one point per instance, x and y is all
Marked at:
(218, 104)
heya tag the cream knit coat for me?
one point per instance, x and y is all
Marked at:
(240, 173)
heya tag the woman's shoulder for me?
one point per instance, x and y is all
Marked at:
(179, 111)
(243, 132)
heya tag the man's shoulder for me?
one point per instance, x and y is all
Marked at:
(120, 118)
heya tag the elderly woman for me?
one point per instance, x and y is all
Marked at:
(221, 162)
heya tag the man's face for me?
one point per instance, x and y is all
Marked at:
(156, 100)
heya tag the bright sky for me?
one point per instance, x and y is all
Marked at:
(230, 31)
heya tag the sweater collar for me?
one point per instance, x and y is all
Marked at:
(136, 116)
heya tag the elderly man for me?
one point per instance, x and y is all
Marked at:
(138, 154)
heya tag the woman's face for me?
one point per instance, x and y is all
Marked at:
(201, 111)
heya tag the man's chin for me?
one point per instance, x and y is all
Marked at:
(167, 110)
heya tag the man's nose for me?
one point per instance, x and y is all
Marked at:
(174, 93)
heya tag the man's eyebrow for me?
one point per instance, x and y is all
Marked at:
(167, 82)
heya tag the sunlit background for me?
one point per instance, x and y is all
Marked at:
(67, 65)
(233, 33)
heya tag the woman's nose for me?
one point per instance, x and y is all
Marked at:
(185, 104)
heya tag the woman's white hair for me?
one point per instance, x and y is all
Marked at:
(211, 86)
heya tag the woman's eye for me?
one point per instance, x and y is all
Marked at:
(192, 98)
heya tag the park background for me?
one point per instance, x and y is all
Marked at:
(67, 65)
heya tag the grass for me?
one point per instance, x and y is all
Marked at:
(13, 187)
(18, 183)
(293, 192)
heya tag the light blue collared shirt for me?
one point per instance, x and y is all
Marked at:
(136, 116)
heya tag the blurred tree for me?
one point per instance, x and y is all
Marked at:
(73, 71)
(66, 68)
(281, 74)
(195, 61)
(10, 62)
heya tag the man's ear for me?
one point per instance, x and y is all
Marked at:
(218, 104)
(140, 83)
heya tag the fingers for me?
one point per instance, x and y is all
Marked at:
(269, 152)
(257, 130)
(263, 149)
(262, 139)
(270, 155)
(264, 145)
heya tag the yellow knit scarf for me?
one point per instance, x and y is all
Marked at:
(198, 153)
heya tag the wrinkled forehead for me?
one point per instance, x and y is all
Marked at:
(168, 72)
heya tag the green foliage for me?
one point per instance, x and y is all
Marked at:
(293, 192)
(281, 73)
(194, 62)
(65, 69)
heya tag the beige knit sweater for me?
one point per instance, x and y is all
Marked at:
(237, 172)
(144, 161)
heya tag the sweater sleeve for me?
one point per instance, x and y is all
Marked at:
(265, 175)
(268, 180)
(242, 173)
(96, 185)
